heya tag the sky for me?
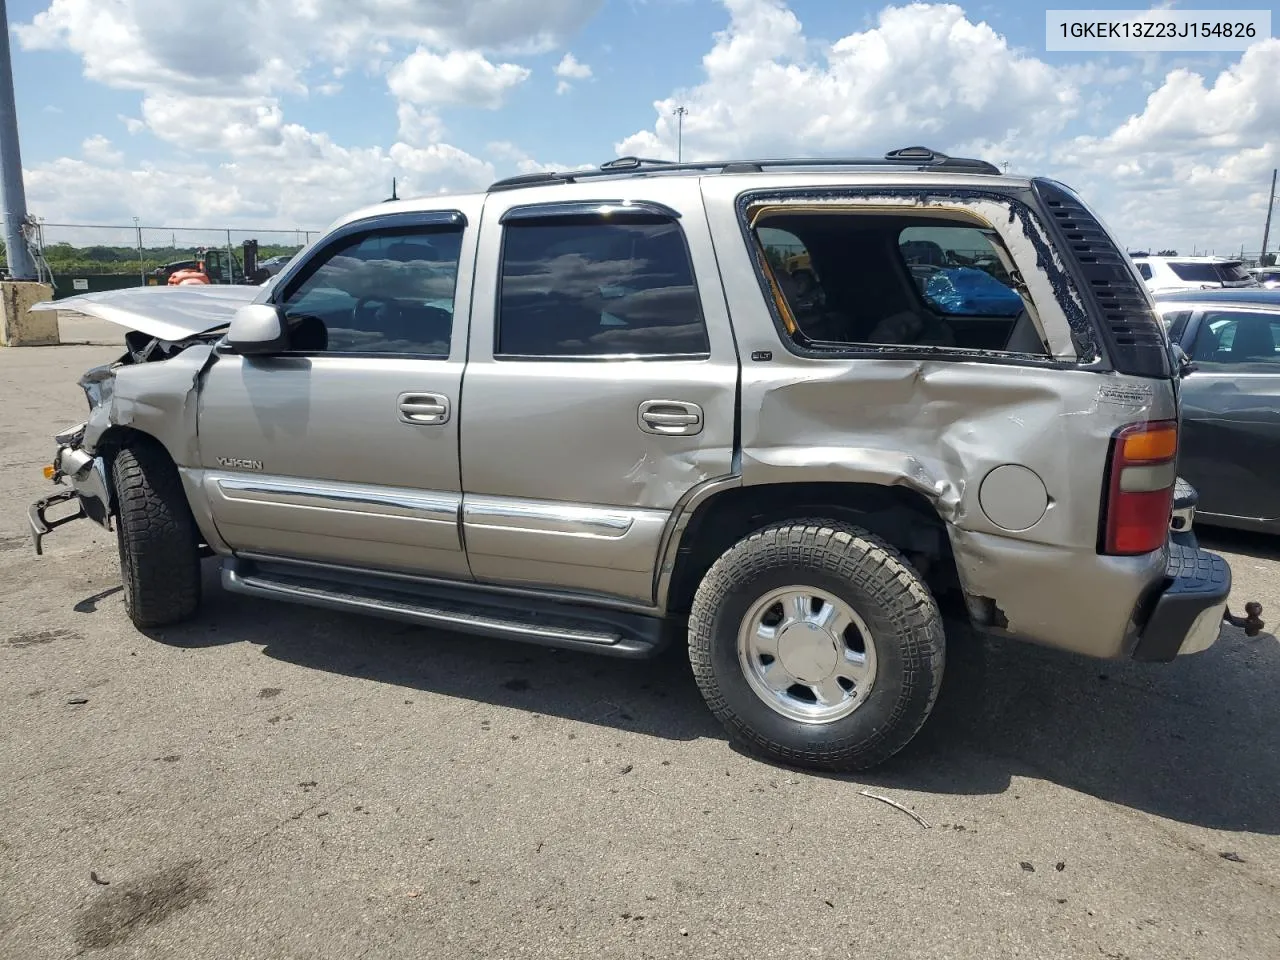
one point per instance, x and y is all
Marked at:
(288, 113)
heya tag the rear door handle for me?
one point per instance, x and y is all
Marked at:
(670, 418)
(423, 408)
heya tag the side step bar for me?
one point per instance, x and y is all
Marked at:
(546, 623)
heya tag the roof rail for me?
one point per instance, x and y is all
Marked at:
(918, 158)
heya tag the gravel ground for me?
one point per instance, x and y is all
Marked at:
(280, 782)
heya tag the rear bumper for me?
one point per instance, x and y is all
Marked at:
(1187, 610)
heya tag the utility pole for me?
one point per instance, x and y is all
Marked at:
(680, 111)
(1266, 231)
(21, 266)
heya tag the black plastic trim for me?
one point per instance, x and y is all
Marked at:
(917, 158)
(1113, 290)
(472, 608)
(611, 209)
(1195, 581)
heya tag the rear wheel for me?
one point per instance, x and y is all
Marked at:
(157, 537)
(815, 643)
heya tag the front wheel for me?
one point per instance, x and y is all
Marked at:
(157, 536)
(815, 643)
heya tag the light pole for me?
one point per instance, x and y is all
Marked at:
(680, 111)
(21, 266)
(1266, 231)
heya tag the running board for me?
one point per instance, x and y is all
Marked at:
(546, 623)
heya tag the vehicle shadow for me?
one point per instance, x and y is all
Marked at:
(1190, 741)
(1259, 546)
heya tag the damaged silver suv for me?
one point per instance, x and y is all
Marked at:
(789, 411)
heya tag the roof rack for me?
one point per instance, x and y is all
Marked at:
(918, 158)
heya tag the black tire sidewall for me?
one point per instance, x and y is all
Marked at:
(887, 688)
(873, 578)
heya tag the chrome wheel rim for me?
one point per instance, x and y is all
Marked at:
(807, 654)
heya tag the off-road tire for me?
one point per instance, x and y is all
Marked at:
(881, 586)
(157, 537)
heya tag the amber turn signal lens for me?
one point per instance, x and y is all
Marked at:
(49, 471)
(1158, 444)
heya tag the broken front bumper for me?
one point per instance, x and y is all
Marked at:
(87, 476)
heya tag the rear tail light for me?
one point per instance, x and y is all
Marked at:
(1140, 482)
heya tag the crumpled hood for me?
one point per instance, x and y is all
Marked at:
(168, 313)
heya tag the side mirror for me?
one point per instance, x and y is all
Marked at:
(1184, 363)
(257, 328)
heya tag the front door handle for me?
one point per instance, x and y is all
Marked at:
(423, 408)
(670, 418)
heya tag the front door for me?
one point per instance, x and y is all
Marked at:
(1230, 449)
(600, 389)
(343, 447)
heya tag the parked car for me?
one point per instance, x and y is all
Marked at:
(1268, 277)
(274, 265)
(658, 440)
(1230, 449)
(1192, 273)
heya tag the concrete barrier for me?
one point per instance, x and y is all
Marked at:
(19, 327)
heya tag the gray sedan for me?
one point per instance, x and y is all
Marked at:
(1230, 448)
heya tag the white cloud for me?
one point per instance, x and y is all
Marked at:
(523, 162)
(418, 127)
(922, 74)
(458, 77)
(240, 125)
(141, 43)
(1191, 168)
(311, 182)
(570, 68)
(98, 149)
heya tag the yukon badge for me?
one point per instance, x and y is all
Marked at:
(239, 463)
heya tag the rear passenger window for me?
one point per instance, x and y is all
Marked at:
(583, 287)
(389, 292)
(841, 279)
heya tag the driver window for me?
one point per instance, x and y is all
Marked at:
(384, 292)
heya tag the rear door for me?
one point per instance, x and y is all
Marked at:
(600, 387)
(343, 447)
(1230, 449)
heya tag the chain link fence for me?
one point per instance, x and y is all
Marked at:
(91, 257)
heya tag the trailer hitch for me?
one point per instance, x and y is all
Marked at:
(1251, 622)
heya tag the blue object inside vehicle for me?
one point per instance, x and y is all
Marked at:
(965, 290)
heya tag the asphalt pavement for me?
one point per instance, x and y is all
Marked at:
(278, 782)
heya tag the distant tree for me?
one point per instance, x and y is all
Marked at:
(1269, 260)
(1167, 253)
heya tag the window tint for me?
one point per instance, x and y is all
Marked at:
(1208, 272)
(842, 278)
(386, 292)
(1144, 269)
(584, 287)
(1232, 338)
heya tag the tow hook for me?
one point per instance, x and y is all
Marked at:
(1251, 622)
